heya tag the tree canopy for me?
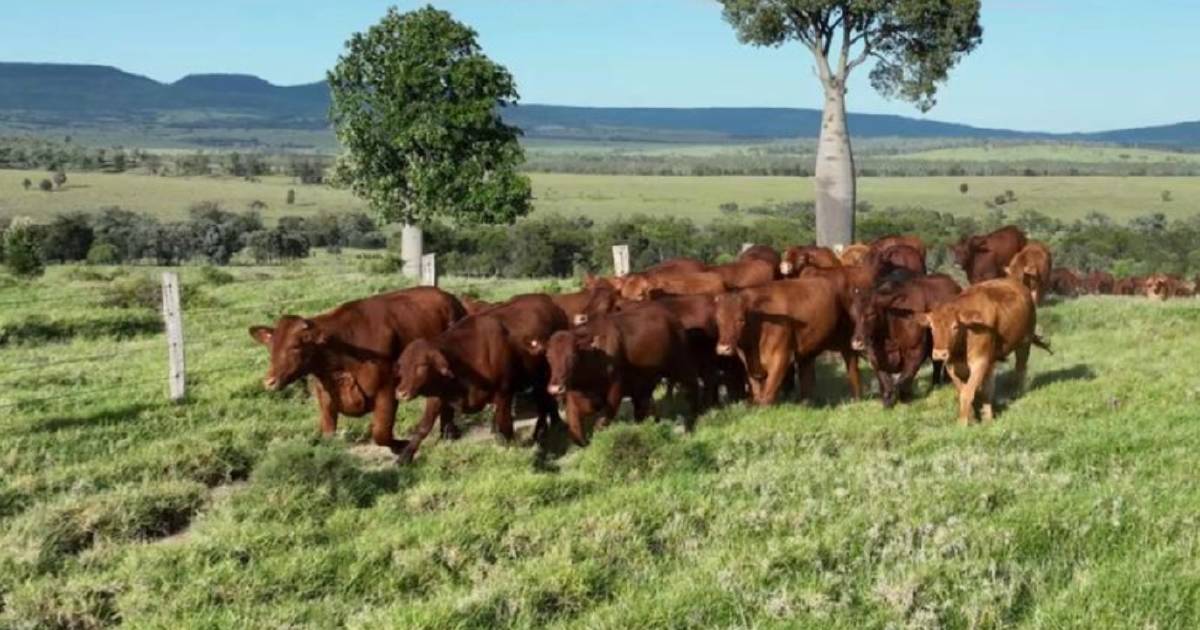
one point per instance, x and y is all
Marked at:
(416, 105)
(914, 43)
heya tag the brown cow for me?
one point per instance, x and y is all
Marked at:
(795, 259)
(979, 328)
(1065, 282)
(895, 257)
(884, 243)
(640, 286)
(855, 255)
(887, 328)
(769, 326)
(1161, 287)
(1100, 283)
(765, 253)
(474, 306)
(349, 353)
(985, 257)
(1132, 285)
(574, 304)
(484, 359)
(745, 273)
(1031, 267)
(595, 365)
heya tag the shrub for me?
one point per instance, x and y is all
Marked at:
(215, 276)
(22, 250)
(27, 184)
(46, 185)
(103, 253)
(291, 196)
(67, 238)
(964, 188)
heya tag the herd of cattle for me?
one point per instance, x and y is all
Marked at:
(749, 329)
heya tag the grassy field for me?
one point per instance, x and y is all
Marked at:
(1053, 152)
(604, 197)
(1076, 509)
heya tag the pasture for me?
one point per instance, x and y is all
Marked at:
(1076, 509)
(604, 197)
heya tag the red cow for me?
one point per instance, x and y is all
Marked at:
(888, 329)
(1100, 283)
(795, 259)
(765, 253)
(884, 243)
(641, 286)
(349, 353)
(1132, 285)
(1065, 282)
(884, 261)
(855, 255)
(985, 257)
(484, 359)
(1031, 267)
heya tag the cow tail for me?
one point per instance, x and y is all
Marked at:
(1042, 343)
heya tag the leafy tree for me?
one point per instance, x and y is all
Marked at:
(46, 185)
(102, 253)
(60, 179)
(68, 237)
(415, 104)
(291, 196)
(27, 184)
(964, 188)
(913, 44)
(22, 250)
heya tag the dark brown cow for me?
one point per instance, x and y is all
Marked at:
(896, 257)
(1133, 285)
(484, 359)
(1100, 283)
(979, 328)
(1065, 282)
(795, 259)
(765, 253)
(1031, 267)
(595, 365)
(768, 327)
(349, 353)
(888, 329)
(574, 304)
(985, 257)
(474, 306)
(884, 243)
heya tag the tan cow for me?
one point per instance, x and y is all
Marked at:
(979, 328)
(1031, 267)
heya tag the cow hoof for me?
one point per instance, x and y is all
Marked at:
(405, 457)
(451, 432)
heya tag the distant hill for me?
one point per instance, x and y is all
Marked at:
(54, 96)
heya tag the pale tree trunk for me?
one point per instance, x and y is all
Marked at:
(412, 245)
(835, 186)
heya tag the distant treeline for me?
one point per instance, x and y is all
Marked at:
(553, 245)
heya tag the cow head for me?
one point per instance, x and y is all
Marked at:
(731, 313)
(635, 288)
(294, 343)
(602, 302)
(1158, 287)
(865, 318)
(419, 368)
(855, 255)
(591, 283)
(965, 249)
(562, 355)
(948, 323)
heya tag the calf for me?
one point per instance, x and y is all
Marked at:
(985, 257)
(888, 329)
(1065, 282)
(349, 353)
(795, 259)
(595, 365)
(769, 326)
(1031, 267)
(982, 326)
(485, 359)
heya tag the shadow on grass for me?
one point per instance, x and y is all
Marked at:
(103, 418)
(1079, 372)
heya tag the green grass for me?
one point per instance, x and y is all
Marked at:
(1053, 152)
(604, 197)
(1076, 509)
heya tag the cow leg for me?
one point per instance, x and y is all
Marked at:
(908, 375)
(383, 420)
(852, 374)
(887, 391)
(642, 397)
(806, 370)
(575, 413)
(547, 408)
(986, 413)
(1022, 366)
(502, 415)
(328, 413)
(776, 367)
(433, 409)
(966, 394)
(450, 430)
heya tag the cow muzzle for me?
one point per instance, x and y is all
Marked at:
(724, 349)
(403, 395)
(940, 355)
(271, 384)
(555, 390)
(580, 319)
(858, 345)
(785, 268)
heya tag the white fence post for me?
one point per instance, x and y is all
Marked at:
(173, 319)
(620, 260)
(746, 246)
(429, 276)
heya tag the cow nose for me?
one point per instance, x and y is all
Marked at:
(858, 345)
(403, 395)
(940, 355)
(785, 268)
(271, 383)
(554, 389)
(581, 319)
(724, 349)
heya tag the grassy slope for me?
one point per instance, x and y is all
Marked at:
(1077, 509)
(605, 197)
(1053, 152)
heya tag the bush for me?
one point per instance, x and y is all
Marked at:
(46, 185)
(22, 249)
(103, 253)
(215, 276)
(964, 188)
(67, 238)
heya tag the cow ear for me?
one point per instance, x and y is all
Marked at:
(924, 321)
(262, 334)
(442, 365)
(972, 318)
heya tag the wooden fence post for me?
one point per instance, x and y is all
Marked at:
(429, 276)
(620, 260)
(173, 319)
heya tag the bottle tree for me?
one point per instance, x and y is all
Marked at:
(913, 44)
(416, 107)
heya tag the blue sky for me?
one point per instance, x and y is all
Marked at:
(1054, 65)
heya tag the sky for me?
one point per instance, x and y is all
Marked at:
(1045, 65)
